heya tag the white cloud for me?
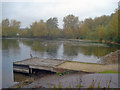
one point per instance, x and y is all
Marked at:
(44, 9)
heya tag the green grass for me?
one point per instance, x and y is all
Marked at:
(59, 73)
(110, 71)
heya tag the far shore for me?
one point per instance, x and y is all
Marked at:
(76, 40)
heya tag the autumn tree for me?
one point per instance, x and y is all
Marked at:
(52, 23)
(39, 29)
(100, 33)
(10, 28)
(14, 27)
(26, 32)
(5, 27)
(100, 28)
(113, 27)
(83, 31)
(71, 23)
(52, 27)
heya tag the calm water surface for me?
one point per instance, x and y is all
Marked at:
(19, 49)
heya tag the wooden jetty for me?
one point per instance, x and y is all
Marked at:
(28, 65)
(53, 65)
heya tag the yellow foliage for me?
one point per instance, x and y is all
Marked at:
(103, 41)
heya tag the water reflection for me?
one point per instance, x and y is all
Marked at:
(97, 50)
(70, 50)
(19, 49)
(60, 51)
(56, 49)
(6, 43)
(37, 45)
(7, 68)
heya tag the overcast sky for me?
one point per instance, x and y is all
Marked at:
(34, 10)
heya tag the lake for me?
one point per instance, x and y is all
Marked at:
(19, 49)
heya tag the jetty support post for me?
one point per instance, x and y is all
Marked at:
(30, 71)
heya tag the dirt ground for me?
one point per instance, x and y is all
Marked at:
(76, 80)
(112, 58)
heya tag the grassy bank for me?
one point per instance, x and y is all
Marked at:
(109, 71)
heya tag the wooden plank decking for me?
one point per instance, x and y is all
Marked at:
(27, 66)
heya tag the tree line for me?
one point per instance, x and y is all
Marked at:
(103, 28)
